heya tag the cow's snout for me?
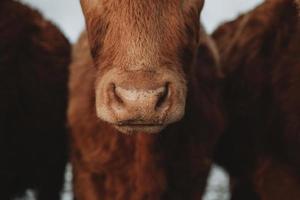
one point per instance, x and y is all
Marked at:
(132, 101)
(141, 102)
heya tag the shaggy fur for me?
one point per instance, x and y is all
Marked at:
(261, 56)
(173, 164)
(34, 59)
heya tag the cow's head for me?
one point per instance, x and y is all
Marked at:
(142, 50)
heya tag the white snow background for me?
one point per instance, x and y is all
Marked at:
(67, 15)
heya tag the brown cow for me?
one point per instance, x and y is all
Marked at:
(139, 68)
(261, 145)
(34, 60)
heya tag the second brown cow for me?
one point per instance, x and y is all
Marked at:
(261, 56)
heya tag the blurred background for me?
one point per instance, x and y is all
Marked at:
(66, 14)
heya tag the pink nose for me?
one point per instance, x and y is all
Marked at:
(136, 105)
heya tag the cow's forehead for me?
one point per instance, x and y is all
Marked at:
(140, 4)
(140, 31)
(149, 16)
(139, 12)
(145, 22)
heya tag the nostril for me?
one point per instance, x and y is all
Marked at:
(114, 94)
(162, 97)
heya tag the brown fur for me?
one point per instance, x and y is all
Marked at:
(171, 165)
(260, 55)
(34, 59)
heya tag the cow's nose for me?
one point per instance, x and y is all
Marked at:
(138, 102)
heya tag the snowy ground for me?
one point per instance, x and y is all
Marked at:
(217, 187)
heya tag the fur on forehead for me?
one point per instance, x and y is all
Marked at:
(149, 29)
(142, 12)
(186, 5)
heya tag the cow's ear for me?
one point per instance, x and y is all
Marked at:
(89, 5)
(193, 5)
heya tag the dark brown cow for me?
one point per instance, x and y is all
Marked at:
(261, 56)
(150, 63)
(34, 59)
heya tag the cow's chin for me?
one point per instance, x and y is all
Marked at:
(130, 129)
